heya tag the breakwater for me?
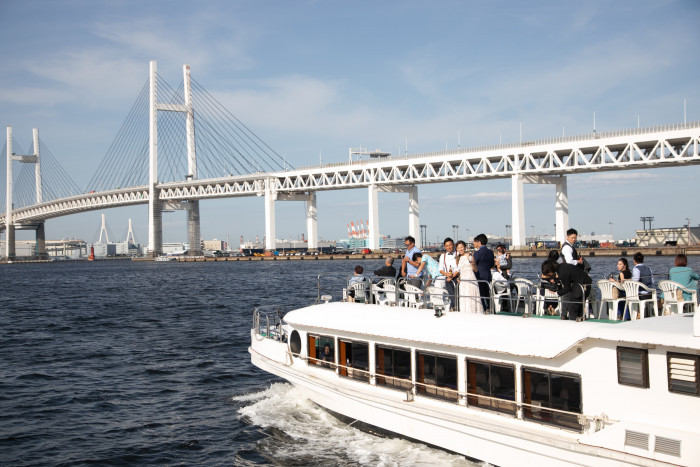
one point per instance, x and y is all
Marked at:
(541, 253)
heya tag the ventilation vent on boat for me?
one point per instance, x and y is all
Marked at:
(672, 447)
(682, 373)
(637, 439)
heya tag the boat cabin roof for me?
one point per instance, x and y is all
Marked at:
(542, 338)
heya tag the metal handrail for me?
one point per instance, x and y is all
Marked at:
(268, 323)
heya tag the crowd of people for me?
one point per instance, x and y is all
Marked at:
(568, 274)
(465, 273)
(469, 273)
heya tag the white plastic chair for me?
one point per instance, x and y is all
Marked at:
(548, 296)
(386, 295)
(670, 293)
(413, 296)
(632, 289)
(499, 291)
(379, 289)
(524, 288)
(608, 299)
(361, 291)
(438, 297)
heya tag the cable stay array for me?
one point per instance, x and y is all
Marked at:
(224, 145)
(56, 183)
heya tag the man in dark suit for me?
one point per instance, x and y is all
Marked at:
(483, 263)
(572, 283)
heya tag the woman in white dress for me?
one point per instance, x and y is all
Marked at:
(469, 297)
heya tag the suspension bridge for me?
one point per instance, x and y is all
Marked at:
(157, 158)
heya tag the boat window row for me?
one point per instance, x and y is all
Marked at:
(683, 370)
(547, 397)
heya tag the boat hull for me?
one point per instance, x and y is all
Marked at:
(474, 433)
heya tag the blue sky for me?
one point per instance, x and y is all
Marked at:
(317, 77)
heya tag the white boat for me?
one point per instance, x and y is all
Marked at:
(500, 389)
(166, 258)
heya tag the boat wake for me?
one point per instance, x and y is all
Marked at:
(300, 433)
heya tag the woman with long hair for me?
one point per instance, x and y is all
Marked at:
(469, 297)
(624, 273)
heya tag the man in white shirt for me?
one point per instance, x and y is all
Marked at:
(568, 252)
(447, 265)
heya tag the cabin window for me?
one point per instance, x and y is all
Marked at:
(683, 373)
(393, 367)
(322, 350)
(633, 367)
(544, 390)
(436, 375)
(491, 386)
(356, 357)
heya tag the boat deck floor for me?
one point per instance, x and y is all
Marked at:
(506, 313)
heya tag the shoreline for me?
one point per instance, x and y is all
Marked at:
(542, 253)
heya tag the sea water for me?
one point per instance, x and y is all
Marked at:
(120, 362)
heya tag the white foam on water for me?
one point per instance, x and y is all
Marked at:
(312, 434)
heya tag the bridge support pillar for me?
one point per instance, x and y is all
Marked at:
(270, 197)
(561, 205)
(10, 242)
(517, 212)
(413, 216)
(193, 231)
(155, 215)
(40, 240)
(311, 222)
(373, 219)
(311, 216)
(155, 226)
(562, 209)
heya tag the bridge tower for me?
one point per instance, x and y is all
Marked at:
(130, 235)
(155, 206)
(103, 229)
(9, 224)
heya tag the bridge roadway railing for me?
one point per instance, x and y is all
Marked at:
(668, 145)
(630, 149)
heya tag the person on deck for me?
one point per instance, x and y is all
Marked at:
(623, 274)
(483, 262)
(408, 266)
(572, 284)
(388, 270)
(504, 263)
(643, 274)
(568, 252)
(447, 265)
(355, 279)
(469, 296)
(430, 266)
(684, 275)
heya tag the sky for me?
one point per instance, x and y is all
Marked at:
(314, 78)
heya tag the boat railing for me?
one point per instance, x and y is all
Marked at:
(515, 296)
(353, 372)
(534, 411)
(267, 322)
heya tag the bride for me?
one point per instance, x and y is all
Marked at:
(469, 297)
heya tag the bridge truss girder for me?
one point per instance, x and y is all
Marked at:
(653, 149)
